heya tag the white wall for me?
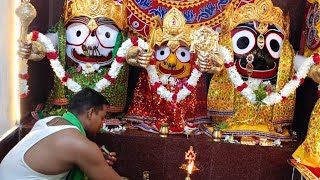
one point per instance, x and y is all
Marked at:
(8, 66)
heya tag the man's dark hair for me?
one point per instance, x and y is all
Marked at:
(86, 99)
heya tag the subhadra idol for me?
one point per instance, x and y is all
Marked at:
(252, 94)
(171, 90)
(88, 39)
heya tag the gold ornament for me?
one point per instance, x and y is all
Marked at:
(262, 28)
(314, 73)
(190, 156)
(287, 26)
(96, 8)
(313, 1)
(265, 142)
(174, 29)
(217, 135)
(92, 24)
(204, 39)
(262, 11)
(38, 51)
(132, 54)
(205, 42)
(26, 13)
(164, 130)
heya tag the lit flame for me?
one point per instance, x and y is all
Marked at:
(190, 167)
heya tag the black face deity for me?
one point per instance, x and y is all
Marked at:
(257, 48)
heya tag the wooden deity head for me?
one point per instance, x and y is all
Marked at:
(256, 33)
(93, 30)
(172, 43)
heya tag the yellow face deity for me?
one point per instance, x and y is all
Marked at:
(171, 41)
(175, 62)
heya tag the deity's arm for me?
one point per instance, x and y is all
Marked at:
(138, 57)
(205, 42)
(35, 51)
(210, 62)
(131, 55)
(314, 73)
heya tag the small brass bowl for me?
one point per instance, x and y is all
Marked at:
(217, 135)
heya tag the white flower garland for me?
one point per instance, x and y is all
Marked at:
(274, 97)
(168, 95)
(88, 68)
(23, 78)
(67, 80)
(113, 72)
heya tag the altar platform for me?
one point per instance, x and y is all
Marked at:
(139, 151)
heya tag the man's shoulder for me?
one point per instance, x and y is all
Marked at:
(71, 135)
(76, 143)
(68, 138)
(71, 141)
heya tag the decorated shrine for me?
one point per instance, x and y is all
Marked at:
(198, 89)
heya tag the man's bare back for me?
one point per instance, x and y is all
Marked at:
(66, 146)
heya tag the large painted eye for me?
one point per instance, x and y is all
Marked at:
(274, 44)
(243, 41)
(107, 35)
(162, 53)
(77, 33)
(183, 54)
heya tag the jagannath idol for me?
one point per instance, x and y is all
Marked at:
(307, 155)
(87, 39)
(171, 90)
(253, 95)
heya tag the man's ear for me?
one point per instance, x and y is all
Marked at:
(90, 113)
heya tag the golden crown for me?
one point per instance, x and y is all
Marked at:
(261, 11)
(174, 29)
(96, 8)
(313, 1)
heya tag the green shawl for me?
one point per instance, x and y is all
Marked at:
(75, 173)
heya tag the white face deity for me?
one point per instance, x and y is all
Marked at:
(95, 45)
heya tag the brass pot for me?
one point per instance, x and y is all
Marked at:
(217, 135)
(164, 130)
